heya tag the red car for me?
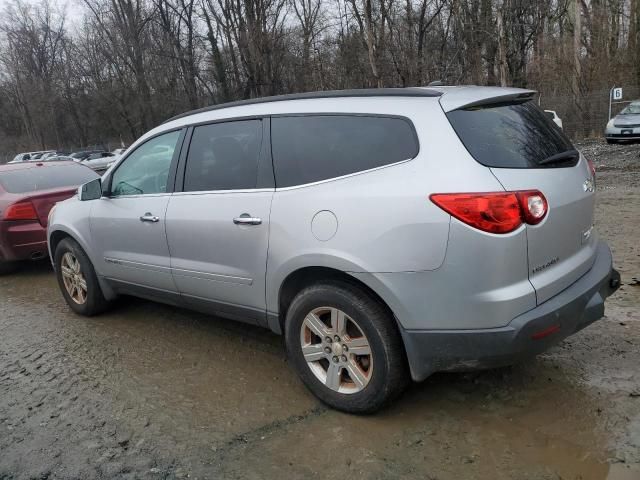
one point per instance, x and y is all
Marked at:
(28, 191)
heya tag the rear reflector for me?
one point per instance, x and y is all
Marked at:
(546, 332)
(494, 212)
(20, 211)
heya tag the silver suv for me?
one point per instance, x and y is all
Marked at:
(388, 234)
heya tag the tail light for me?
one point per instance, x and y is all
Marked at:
(494, 212)
(21, 211)
(534, 206)
(592, 170)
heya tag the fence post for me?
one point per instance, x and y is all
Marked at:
(610, 97)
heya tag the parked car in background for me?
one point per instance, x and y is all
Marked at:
(27, 193)
(28, 156)
(100, 161)
(39, 155)
(119, 151)
(21, 157)
(388, 233)
(60, 158)
(49, 155)
(83, 154)
(554, 116)
(625, 125)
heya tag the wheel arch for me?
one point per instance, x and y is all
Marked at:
(56, 235)
(303, 277)
(55, 238)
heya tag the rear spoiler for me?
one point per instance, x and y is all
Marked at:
(455, 98)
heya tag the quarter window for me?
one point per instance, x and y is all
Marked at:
(224, 156)
(308, 149)
(146, 170)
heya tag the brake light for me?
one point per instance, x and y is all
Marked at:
(592, 169)
(494, 212)
(21, 211)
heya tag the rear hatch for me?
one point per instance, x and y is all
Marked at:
(525, 150)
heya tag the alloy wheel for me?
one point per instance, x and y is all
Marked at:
(336, 350)
(73, 278)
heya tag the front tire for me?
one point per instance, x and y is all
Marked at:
(345, 347)
(77, 279)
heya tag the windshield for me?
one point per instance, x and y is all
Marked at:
(633, 109)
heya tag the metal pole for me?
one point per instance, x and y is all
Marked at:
(610, 98)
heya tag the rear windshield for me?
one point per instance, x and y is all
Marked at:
(44, 178)
(511, 136)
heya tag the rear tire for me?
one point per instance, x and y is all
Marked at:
(363, 383)
(8, 267)
(77, 279)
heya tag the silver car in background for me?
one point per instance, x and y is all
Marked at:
(101, 161)
(387, 233)
(625, 125)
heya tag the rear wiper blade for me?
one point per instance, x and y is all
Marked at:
(561, 157)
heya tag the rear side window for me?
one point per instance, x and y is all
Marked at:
(511, 136)
(224, 156)
(308, 149)
(44, 178)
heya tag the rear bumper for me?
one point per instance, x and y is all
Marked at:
(574, 308)
(22, 240)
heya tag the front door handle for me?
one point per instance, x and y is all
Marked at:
(148, 217)
(246, 219)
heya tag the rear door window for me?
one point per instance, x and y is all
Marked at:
(312, 148)
(517, 135)
(45, 178)
(224, 156)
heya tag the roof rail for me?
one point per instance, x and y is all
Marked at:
(361, 92)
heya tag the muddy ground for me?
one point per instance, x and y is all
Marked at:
(149, 391)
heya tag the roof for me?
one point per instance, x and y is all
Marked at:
(362, 92)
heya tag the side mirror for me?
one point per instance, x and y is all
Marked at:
(91, 190)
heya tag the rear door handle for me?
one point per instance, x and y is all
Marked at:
(246, 219)
(148, 217)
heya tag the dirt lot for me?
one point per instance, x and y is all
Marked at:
(149, 391)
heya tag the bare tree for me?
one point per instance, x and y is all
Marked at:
(129, 64)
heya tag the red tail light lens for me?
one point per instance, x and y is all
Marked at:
(592, 169)
(21, 211)
(494, 212)
(489, 212)
(534, 206)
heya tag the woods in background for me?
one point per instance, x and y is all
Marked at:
(123, 66)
